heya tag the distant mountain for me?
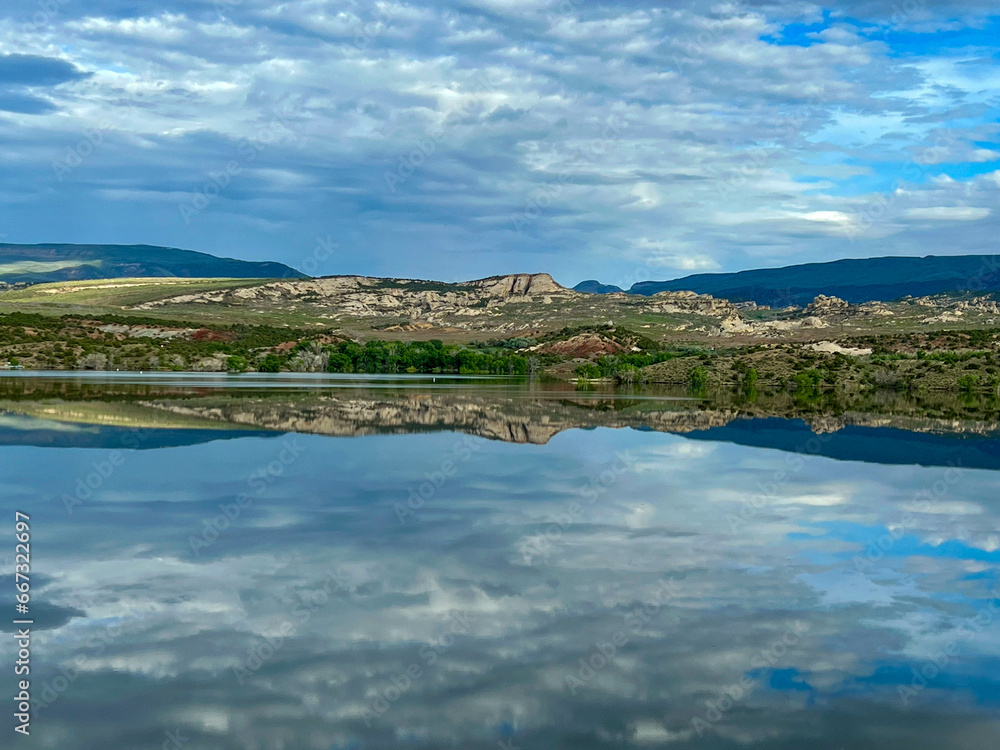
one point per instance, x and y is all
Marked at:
(864, 280)
(596, 287)
(41, 263)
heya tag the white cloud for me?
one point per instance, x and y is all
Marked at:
(729, 151)
(647, 196)
(949, 213)
(162, 28)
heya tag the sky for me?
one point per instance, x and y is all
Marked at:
(465, 138)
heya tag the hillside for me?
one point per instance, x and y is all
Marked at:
(45, 263)
(516, 306)
(596, 287)
(856, 281)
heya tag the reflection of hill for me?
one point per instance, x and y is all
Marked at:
(892, 431)
(514, 420)
(100, 424)
(17, 430)
(852, 436)
(880, 444)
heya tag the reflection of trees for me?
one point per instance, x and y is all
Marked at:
(501, 410)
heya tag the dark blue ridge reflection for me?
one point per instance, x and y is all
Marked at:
(878, 445)
(129, 438)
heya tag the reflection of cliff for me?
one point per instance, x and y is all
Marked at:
(517, 419)
(900, 433)
(506, 411)
(512, 420)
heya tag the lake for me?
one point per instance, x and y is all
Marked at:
(292, 563)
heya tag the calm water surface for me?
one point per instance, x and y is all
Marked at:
(749, 586)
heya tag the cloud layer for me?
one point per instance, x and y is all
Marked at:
(462, 138)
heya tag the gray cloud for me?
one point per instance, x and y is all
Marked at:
(12, 101)
(481, 130)
(20, 75)
(34, 70)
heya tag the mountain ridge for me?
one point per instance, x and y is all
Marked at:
(49, 262)
(856, 280)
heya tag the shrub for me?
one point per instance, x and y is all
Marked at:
(810, 379)
(698, 379)
(237, 363)
(629, 374)
(588, 370)
(968, 383)
(271, 363)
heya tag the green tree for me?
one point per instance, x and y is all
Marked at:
(808, 380)
(698, 379)
(968, 383)
(237, 363)
(271, 363)
(340, 362)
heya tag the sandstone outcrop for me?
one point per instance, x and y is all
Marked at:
(426, 302)
(689, 302)
(824, 305)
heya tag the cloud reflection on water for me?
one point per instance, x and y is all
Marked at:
(784, 630)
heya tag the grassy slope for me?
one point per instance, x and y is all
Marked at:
(776, 368)
(103, 296)
(113, 414)
(120, 296)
